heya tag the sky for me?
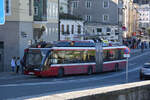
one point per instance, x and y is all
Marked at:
(2, 15)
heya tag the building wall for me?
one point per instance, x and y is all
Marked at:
(75, 33)
(144, 16)
(25, 36)
(24, 10)
(9, 35)
(51, 24)
(109, 35)
(14, 11)
(64, 6)
(17, 30)
(96, 11)
(52, 11)
(51, 33)
(19, 11)
(14, 40)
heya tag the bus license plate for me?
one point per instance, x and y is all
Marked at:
(31, 73)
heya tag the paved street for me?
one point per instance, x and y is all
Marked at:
(13, 85)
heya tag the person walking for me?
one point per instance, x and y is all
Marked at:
(22, 64)
(142, 47)
(17, 64)
(13, 64)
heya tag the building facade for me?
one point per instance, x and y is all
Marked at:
(130, 10)
(27, 22)
(16, 33)
(102, 17)
(71, 27)
(64, 6)
(144, 16)
(45, 25)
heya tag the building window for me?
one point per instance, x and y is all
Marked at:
(68, 29)
(72, 29)
(88, 18)
(79, 29)
(105, 4)
(75, 4)
(30, 7)
(105, 18)
(8, 7)
(88, 4)
(108, 29)
(99, 29)
(62, 29)
(36, 10)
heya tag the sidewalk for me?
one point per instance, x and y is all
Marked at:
(10, 75)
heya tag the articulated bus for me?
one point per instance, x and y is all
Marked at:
(68, 58)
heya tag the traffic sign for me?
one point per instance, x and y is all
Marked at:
(126, 55)
(2, 12)
(127, 50)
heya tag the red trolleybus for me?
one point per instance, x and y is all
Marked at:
(68, 58)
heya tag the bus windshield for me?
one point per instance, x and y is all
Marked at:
(35, 57)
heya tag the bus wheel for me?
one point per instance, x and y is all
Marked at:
(90, 70)
(60, 72)
(116, 67)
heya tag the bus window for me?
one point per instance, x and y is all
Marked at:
(110, 55)
(91, 56)
(105, 57)
(66, 57)
(34, 58)
(121, 54)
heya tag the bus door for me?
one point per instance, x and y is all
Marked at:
(99, 57)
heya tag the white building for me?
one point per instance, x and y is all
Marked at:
(71, 27)
(64, 6)
(144, 16)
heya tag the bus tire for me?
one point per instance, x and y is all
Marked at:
(116, 67)
(60, 72)
(90, 70)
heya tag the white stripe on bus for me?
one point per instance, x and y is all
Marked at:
(77, 48)
(116, 61)
(87, 48)
(57, 65)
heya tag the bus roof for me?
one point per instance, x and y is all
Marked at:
(66, 44)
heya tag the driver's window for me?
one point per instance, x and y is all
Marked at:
(48, 60)
(54, 58)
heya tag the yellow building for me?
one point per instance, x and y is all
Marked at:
(130, 18)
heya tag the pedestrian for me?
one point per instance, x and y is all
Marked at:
(142, 46)
(13, 64)
(17, 64)
(22, 65)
